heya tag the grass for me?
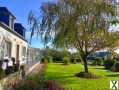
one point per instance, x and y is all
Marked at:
(65, 75)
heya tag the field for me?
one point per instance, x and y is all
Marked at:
(65, 76)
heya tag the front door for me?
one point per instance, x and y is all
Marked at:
(17, 54)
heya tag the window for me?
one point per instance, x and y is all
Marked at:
(24, 51)
(11, 22)
(8, 47)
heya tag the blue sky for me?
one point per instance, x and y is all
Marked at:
(21, 9)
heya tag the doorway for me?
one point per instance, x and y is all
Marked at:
(17, 54)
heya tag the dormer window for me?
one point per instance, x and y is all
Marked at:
(11, 22)
(19, 29)
(7, 17)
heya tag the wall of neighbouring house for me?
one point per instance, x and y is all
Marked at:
(14, 40)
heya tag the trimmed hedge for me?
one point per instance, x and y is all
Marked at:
(66, 60)
(98, 61)
(115, 67)
(108, 64)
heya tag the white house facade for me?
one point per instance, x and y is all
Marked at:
(12, 38)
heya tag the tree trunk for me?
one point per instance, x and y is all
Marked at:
(85, 65)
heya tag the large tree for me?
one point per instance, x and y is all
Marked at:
(80, 24)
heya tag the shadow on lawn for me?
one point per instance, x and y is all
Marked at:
(62, 77)
(113, 75)
(59, 75)
(102, 68)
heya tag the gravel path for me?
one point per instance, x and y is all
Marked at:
(32, 69)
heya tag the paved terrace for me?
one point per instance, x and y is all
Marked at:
(30, 69)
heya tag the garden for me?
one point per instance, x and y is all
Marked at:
(63, 70)
(65, 76)
(83, 25)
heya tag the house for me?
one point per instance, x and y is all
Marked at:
(12, 37)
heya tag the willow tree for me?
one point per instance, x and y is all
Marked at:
(79, 24)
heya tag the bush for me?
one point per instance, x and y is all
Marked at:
(66, 60)
(50, 59)
(32, 82)
(16, 67)
(108, 64)
(98, 61)
(57, 59)
(1, 64)
(115, 67)
(44, 60)
(2, 73)
(27, 85)
(74, 61)
(9, 70)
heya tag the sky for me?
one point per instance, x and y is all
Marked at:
(21, 9)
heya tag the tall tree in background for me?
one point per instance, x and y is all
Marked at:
(79, 24)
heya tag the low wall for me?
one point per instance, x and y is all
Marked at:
(14, 78)
(8, 81)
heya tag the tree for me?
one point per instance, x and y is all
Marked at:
(79, 24)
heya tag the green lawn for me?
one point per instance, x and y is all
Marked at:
(64, 74)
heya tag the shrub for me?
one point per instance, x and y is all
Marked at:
(44, 60)
(94, 62)
(115, 67)
(2, 73)
(66, 60)
(50, 59)
(98, 61)
(16, 67)
(57, 59)
(32, 82)
(9, 70)
(75, 61)
(1, 64)
(108, 64)
(28, 85)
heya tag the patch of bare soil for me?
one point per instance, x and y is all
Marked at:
(87, 75)
(52, 85)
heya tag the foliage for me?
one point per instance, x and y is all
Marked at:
(98, 61)
(44, 60)
(108, 64)
(81, 24)
(9, 70)
(66, 60)
(55, 55)
(33, 81)
(65, 76)
(115, 67)
(47, 59)
(16, 67)
(50, 59)
(114, 54)
(75, 57)
(2, 73)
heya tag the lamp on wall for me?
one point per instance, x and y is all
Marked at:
(14, 39)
